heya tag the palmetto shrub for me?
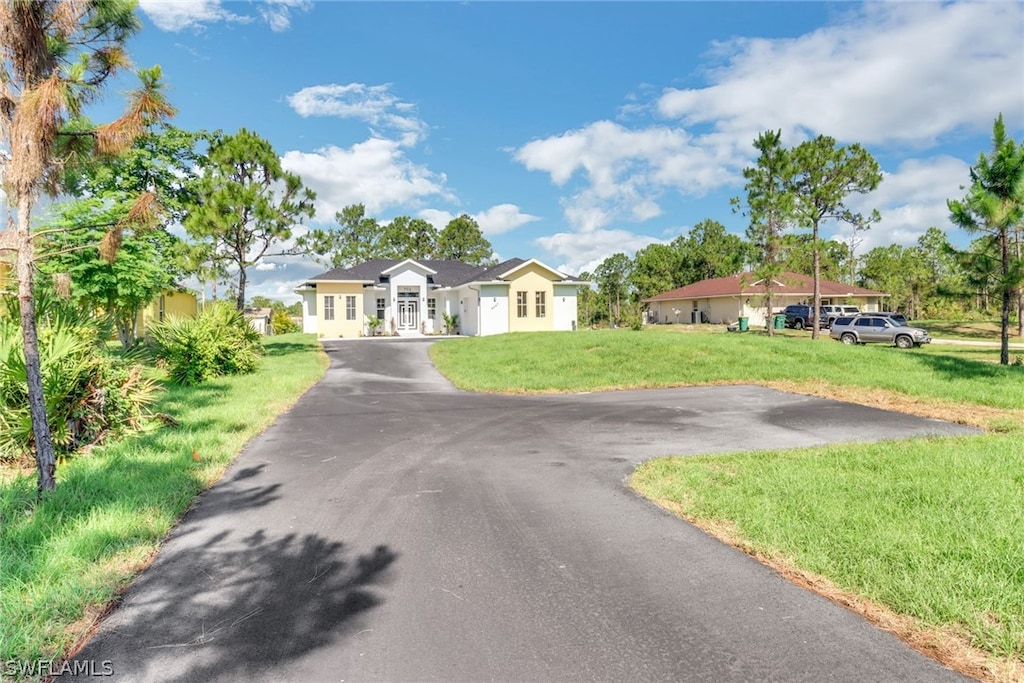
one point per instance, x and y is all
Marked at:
(219, 342)
(89, 394)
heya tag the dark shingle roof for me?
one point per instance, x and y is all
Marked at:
(446, 273)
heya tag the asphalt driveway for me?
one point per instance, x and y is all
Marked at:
(390, 527)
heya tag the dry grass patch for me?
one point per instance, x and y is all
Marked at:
(983, 417)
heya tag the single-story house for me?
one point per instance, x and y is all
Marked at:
(725, 300)
(259, 319)
(412, 298)
(170, 304)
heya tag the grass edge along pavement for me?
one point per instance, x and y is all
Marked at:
(979, 640)
(67, 560)
(947, 579)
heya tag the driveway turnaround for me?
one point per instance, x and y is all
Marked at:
(392, 528)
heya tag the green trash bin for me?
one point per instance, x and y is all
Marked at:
(780, 321)
(744, 324)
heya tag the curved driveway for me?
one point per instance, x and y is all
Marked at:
(390, 527)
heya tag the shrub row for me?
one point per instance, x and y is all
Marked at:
(218, 342)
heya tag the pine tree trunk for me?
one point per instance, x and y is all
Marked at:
(817, 285)
(46, 462)
(1020, 289)
(1008, 290)
(240, 301)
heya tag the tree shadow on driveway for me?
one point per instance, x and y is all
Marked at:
(238, 608)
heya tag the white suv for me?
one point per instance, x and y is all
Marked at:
(831, 312)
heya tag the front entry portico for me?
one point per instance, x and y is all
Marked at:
(408, 311)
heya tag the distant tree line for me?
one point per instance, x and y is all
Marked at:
(109, 244)
(789, 194)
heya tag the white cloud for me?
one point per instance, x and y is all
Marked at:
(911, 200)
(502, 218)
(178, 15)
(496, 220)
(375, 173)
(898, 74)
(374, 104)
(436, 217)
(585, 251)
(626, 170)
(277, 13)
(904, 72)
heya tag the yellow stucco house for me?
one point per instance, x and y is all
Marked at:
(168, 304)
(412, 297)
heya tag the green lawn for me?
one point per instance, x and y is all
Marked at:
(62, 561)
(974, 330)
(932, 529)
(591, 360)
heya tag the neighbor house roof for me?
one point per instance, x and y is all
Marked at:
(747, 284)
(440, 273)
(258, 312)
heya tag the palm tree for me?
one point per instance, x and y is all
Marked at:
(55, 56)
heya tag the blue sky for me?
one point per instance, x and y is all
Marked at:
(575, 130)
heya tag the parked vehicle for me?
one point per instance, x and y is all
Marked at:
(898, 317)
(799, 316)
(862, 329)
(833, 311)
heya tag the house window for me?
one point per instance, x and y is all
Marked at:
(521, 304)
(432, 308)
(381, 304)
(541, 302)
(163, 308)
(350, 308)
(328, 308)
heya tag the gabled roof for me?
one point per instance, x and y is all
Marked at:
(440, 273)
(377, 271)
(747, 284)
(258, 312)
(408, 261)
(534, 262)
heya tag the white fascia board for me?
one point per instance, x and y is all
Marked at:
(345, 282)
(478, 283)
(408, 261)
(532, 261)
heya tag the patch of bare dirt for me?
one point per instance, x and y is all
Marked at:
(983, 417)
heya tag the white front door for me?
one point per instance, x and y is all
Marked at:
(408, 315)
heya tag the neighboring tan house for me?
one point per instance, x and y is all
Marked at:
(412, 297)
(168, 304)
(727, 299)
